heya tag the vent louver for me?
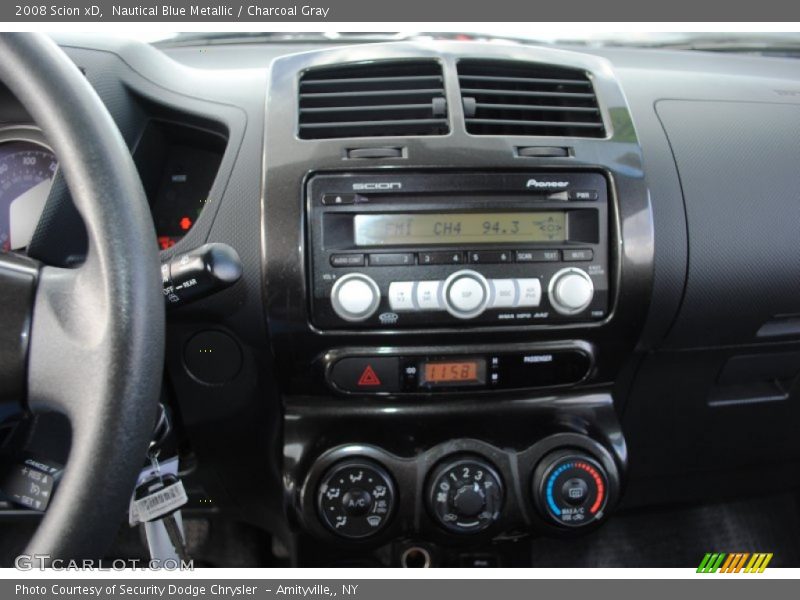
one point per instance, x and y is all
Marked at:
(519, 98)
(386, 98)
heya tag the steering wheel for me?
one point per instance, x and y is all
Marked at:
(86, 342)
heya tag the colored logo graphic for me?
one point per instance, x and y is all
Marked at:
(736, 562)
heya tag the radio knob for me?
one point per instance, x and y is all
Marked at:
(571, 291)
(466, 294)
(355, 297)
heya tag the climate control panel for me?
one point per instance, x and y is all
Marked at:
(462, 490)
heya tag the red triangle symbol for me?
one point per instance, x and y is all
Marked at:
(369, 377)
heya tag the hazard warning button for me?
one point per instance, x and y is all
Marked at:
(367, 374)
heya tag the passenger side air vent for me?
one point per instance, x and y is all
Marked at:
(519, 98)
(386, 98)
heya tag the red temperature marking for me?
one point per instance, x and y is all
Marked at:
(598, 481)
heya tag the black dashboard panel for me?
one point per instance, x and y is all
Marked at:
(473, 422)
(291, 160)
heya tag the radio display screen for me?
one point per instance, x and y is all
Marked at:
(466, 371)
(399, 229)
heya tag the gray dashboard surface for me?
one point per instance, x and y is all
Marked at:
(738, 164)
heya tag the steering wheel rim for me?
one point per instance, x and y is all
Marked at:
(95, 345)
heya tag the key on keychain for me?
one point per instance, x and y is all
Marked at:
(159, 498)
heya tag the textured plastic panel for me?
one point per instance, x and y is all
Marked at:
(738, 165)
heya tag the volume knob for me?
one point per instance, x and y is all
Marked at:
(571, 291)
(355, 297)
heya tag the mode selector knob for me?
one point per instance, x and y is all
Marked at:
(356, 498)
(571, 291)
(466, 294)
(355, 297)
(469, 500)
(465, 495)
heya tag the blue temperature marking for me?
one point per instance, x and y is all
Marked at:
(549, 490)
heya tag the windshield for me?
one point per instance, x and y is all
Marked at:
(761, 42)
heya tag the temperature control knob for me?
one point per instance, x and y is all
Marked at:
(570, 488)
(465, 496)
(466, 294)
(571, 291)
(355, 498)
(355, 297)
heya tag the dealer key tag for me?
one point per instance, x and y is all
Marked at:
(157, 497)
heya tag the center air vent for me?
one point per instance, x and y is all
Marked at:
(519, 98)
(386, 98)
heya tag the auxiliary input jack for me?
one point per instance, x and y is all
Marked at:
(415, 557)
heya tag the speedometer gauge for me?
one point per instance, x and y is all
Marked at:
(27, 168)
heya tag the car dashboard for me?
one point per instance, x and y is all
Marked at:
(484, 293)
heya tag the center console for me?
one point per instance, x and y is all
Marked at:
(454, 313)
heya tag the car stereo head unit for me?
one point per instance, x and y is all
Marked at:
(402, 250)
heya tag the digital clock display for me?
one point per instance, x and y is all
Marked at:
(400, 229)
(471, 371)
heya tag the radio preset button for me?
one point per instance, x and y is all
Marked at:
(530, 292)
(391, 260)
(355, 297)
(428, 295)
(466, 294)
(538, 255)
(505, 293)
(401, 295)
(571, 291)
(490, 256)
(441, 258)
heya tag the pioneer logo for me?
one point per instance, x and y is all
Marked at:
(395, 185)
(547, 185)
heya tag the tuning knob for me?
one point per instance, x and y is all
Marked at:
(466, 294)
(571, 291)
(355, 297)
